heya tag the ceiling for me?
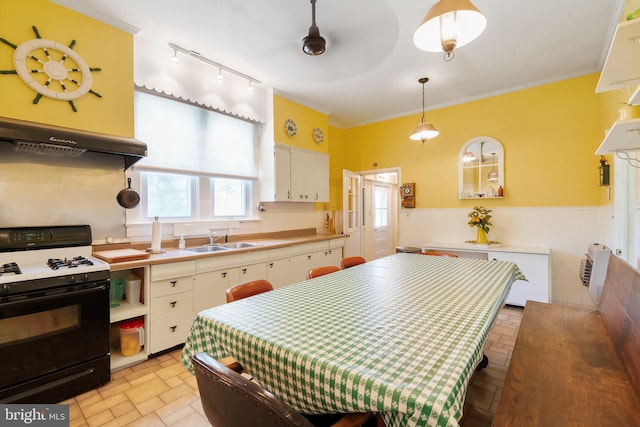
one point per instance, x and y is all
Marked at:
(370, 69)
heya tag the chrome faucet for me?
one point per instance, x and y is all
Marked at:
(212, 236)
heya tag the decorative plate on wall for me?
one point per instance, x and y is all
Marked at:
(318, 136)
(290, 127)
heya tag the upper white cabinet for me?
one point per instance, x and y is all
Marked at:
(295, 175)
(622, 69)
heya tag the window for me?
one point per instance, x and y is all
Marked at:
(201, 164)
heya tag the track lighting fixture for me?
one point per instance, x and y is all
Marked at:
(220, 67)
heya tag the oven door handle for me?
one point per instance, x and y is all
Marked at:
(56, 293)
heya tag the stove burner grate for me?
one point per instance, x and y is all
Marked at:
(10, 267)
(57, 263)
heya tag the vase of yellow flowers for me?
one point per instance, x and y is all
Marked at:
(480, 217)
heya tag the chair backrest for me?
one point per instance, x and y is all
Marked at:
(229, 399)
(321, 271)
(437, 253)
(248, 289)
(350, 261)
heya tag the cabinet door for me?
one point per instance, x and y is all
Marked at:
(332, 256)
(170, 319)
(251, 272)
(302, 176)
(278, 272)
(282, 159)
(535, 268)
(210, 288)
(300, 264)
(321, 165)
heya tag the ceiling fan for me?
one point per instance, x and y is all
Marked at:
(314, 44)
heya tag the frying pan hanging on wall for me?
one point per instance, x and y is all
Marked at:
(128, 198)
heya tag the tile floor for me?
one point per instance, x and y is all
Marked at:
(161, 392)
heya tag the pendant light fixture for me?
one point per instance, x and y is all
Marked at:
(449, 24)
(424, 130)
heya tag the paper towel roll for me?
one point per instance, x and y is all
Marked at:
(155, 235)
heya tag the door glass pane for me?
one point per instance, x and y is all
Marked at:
(381, 208)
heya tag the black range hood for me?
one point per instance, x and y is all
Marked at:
(60, 141)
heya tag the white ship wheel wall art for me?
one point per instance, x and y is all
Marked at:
(51, 69)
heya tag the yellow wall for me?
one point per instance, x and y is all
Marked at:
(100, 45)
(306, 120)
(549, 134)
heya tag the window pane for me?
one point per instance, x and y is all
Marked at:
(168, 195)
(229, 197)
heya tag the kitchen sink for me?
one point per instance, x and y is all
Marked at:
(239, 245)
(207, 248)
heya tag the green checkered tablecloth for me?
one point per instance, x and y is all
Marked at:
(400, 335)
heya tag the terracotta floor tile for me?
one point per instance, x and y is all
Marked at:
(124, 419)
(149, 420)
(176, 393)
(104, 405)
(149, 405)
(123, 408)
(146, 390)
(100, 418)
(193, 420)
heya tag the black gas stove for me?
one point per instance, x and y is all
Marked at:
(54, 314)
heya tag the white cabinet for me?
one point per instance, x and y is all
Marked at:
(279, 272)
(533, 262)
(622, 69)
(535, 268)
(295, 175)
(209, 289)
(171, 306)
(323, 253)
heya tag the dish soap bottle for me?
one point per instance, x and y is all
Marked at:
(181, 242)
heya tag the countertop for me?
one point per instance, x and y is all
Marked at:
(173, 254)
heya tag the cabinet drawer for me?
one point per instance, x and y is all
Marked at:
(175, 269)
(168, 332)
(171, 286)
(171, 306)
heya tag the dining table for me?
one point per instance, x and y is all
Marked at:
(401, 335)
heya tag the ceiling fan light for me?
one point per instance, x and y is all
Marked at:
(424, 131)
(449, 21)
(314, 44)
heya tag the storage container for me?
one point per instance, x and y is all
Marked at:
(131, 337)
(132, 289)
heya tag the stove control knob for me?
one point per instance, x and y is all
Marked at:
(71, 279)
(84, 277)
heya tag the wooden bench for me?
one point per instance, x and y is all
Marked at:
(577, 367)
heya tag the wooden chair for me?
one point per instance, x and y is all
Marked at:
(248, 289)
(231, 399)
(350, 261)
(321, 271)
(437, 253)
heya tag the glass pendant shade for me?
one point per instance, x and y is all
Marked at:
(493, 174)
(468, 156)
(449, 24)
(424, 131)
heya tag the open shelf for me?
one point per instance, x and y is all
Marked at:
(622, 66)
(118, 361)
(623, 135)
(127, 310)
